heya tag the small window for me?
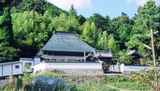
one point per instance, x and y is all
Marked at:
(17, 66)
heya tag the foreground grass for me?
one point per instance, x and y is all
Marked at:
(116, 83)
(126, 84)
(108, 83)
(94, 86)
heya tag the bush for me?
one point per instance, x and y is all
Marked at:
(149, 77)
(8, 53)
(109, 79)
(49, 84)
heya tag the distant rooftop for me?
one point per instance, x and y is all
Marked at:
(68, 42)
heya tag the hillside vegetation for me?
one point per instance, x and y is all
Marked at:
(26, 25)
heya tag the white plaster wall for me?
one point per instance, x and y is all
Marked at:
(0, 70)
(37, 61)
(7, 69)
(17, 70)
(71, 68)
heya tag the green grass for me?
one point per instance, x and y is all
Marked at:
(109, 83)
(125, 83)
(113, 83)
(94, 86)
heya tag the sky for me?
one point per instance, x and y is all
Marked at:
(111, 8)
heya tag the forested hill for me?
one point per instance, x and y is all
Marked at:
(25, 15)
(40, 6)
(32, 22)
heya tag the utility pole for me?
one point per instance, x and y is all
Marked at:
(153, 49)
(154, 62)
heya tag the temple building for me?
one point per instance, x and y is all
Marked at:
(64, 47)
(66, 53)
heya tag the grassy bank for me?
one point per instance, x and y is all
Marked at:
(107, 83)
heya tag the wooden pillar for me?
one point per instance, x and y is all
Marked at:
(2, 69)
(11, 69)
(84, 57)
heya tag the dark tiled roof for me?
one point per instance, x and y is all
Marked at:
(68, 42)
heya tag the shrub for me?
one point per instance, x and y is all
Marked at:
(109, 79)
(49, 84)
(150, 77)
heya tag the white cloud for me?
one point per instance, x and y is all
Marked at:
(66, 4)
(141, 2)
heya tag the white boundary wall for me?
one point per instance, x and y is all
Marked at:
(17, 67)
(128, 68)
(10, 68)
(71, 68)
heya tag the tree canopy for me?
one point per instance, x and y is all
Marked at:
(26, 25)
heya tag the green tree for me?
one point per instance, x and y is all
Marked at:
(2, 35)
(36, 5)
(89, 33)
(72, 11)
(40, 6)
(124, 57)
(81, 19)
(101, 22)
(65, 23)
(7, 22)
(8, 53)
(27, 24)
(144, 21)
(121, 27)
(102, 41)
(31, 34)
(112, 44)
